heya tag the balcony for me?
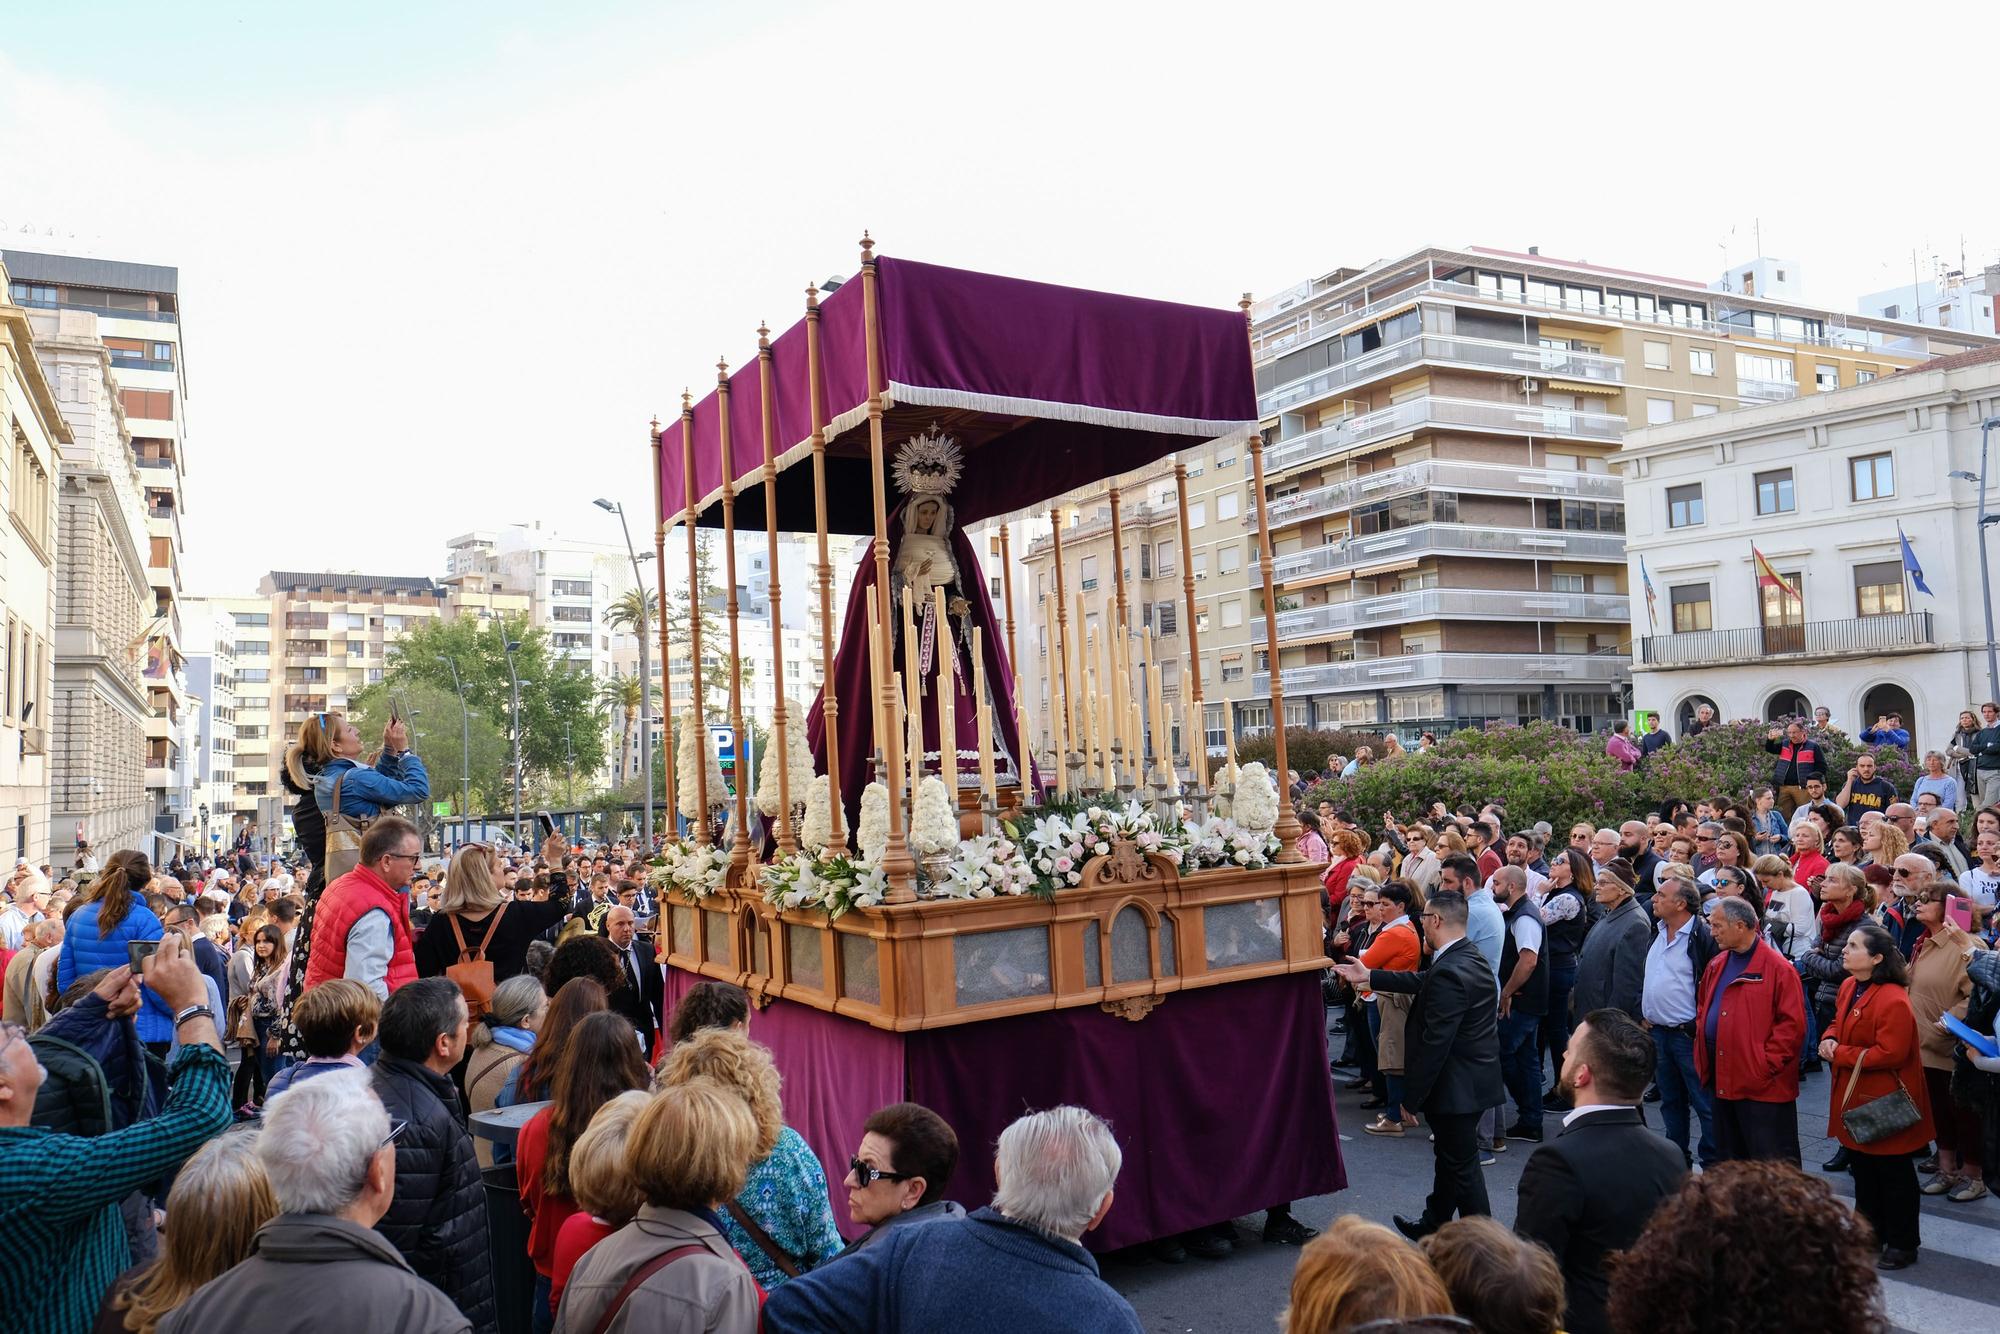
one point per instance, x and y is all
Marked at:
(1766, 391)
(1489, 354)
(1444, 474)
(1900, 633)
(1429, 604)
(1310, 325)
(1475, 669)
(1349, 433)
(1447, 539)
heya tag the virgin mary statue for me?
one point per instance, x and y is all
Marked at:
(926, 551)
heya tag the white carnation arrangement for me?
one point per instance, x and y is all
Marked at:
(1256, 803)
(817, 830)
(798, 764)
(986, 867)
(688, 869)
(934, 827)
(696, 746)
(871, 835)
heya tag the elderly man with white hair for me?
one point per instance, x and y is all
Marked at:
(1018, 1265)
(327, 1148)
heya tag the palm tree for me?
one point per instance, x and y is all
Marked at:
(623, 614)
(621, 694)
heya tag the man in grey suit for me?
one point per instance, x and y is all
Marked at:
(1451, 1069)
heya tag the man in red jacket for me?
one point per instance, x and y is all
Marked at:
(361, 928)
(1753, 1021)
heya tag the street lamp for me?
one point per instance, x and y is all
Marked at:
(1985, 569)
(645, 674)
(465, 763)
(514, 690)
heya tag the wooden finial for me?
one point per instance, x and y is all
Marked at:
(867, 246)
(1245, 303)
(763, 335)
(812, 295)
(656, 426)
(687, 402)
(722, 370)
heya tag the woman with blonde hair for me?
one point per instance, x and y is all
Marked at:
(781, 1221)
(473, 918)
(686, 1153)
(498, 1043)
(1882, 842)
(606, 1194)
(1356, 1272)
(219, 1200)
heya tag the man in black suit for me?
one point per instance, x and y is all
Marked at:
(642, 996)
(1451, 1060)
(1591, 1190)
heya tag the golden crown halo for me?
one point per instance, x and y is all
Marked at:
(928, 465)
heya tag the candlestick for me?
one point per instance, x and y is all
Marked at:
(913, 686)
(1163, 737)
(1087, 690)
(947, 699)
(988, 788)
(1079, 694)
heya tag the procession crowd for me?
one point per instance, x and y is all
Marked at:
(241, 1096)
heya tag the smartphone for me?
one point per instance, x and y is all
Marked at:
(395, 709)
(1959, 910)
(547, 822)
(138, 951)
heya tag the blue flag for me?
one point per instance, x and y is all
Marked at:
(1910, 566)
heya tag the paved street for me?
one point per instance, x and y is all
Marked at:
(1956, 1286)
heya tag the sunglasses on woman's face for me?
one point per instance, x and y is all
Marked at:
(866, 1174)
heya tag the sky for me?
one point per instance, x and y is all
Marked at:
(441, 262)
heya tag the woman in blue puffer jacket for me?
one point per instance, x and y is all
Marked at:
(110, 912)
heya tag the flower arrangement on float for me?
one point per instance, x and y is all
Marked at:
(686, 868)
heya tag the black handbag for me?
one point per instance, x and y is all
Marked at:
(1878, 1118)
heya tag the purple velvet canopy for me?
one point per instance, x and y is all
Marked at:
(1073, 386)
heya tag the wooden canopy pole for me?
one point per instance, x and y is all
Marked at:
(1071, 692)
(1197, 712)
(1021, 762)
(666, 668)
(897, 864)
(702, 833)
(836, 844)
(1288, 828)
(739, 846)
(1120, 639)
(787, 844)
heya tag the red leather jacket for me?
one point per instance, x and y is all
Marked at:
(1763, 1026)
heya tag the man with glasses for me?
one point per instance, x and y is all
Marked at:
(1675, 962)
(362, 929)
(1912, 877)
(1705, 836)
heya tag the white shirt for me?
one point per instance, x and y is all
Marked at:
(1590, 1107)
(1981, 885)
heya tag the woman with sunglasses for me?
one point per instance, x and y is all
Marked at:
(1941, 984)
(1732, 853)
(1790, 920)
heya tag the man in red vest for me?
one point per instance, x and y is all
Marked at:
(362, 926)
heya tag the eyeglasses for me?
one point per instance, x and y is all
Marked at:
(402, 856)
(866, 1174)
(9, 1035)
(1902, 873)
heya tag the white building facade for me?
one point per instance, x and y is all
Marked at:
(1821, 486)
(30, 453)
(211, 672)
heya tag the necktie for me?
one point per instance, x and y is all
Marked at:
(631, 971)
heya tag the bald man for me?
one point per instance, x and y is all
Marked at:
(640, 996)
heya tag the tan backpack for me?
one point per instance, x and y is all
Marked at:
(343, 837)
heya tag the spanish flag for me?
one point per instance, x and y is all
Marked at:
(1768, 577)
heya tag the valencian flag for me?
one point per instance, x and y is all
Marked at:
(1910, 566)
(1652, 597)
(1768, 577)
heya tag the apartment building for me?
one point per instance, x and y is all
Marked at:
(137, 311)
(1826, 487)
(221, 806)
(1149, 526)
(259, 740)
(568, 584)
(1449, 533)
(30, 457)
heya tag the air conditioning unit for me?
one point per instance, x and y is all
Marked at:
(1530, 386)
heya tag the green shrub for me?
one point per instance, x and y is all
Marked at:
(1729, 760)
(1307, 749)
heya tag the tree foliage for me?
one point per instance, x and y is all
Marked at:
(562, 721)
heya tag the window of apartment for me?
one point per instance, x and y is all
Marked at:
(1414, 583)
(1295, 713)
(1659, 356)
(1568, 583)
(1750, 366)
(1684, 312)
(33, 498)
(1774, 492)
(1213, 727)
(1145, 560)
(1228, 505)
(1163, 559)
(1659, 411)
(1197, 513)
(1873, 476)
(149, 404)
(243, 618)
(1424, 507)
(1863, 374)
(575, 614)
(994, 583)
(1199, 564)
(1684, 506)
(1585, 516)
(1087, 571)
(1232, 615)
(1168, 618)
(1631, 306)
(1705, 409)
(569, 588)
(252, 675)
(1229, 559)
(1232, 669)
(32, 292)
(1701, 361)
(1878, 588)
(1826, 377)
(1225, 459)
(1691, 607)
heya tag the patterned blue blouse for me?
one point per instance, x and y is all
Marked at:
(786, 1194)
